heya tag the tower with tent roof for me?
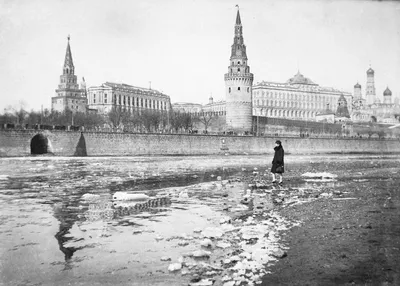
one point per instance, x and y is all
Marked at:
(69, 94)
(238, 84)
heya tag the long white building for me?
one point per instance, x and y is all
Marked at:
(299, 98)
(109, 95)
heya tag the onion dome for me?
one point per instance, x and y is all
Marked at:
(370, 71)
(387, 92)
(357, 85)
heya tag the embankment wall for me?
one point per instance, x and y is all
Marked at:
(65, 143)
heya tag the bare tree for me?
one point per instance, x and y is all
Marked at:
(115, 115)
(19, 113)
(181, 120)
(33, 117)
(7, 117)
(206, 118)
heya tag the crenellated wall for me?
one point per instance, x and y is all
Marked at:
(64, 143)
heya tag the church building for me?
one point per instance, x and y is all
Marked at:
(372, 108)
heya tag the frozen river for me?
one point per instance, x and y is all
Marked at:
(60, 225)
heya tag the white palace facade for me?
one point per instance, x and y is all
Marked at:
(299, 98)
(110, 95)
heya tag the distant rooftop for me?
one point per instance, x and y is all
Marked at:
(300, 79)
(300, 82)
(131, 87)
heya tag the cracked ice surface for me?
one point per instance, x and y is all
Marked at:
(59, 222)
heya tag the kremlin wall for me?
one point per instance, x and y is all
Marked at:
(16, 143)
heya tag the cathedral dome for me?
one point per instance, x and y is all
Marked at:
(357, 85)
(300, 79)
(387, 92)
(370, 71)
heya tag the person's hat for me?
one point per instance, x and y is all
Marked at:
(278, 142)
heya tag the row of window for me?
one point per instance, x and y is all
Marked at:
(215, 109)
(290, 104)
(77, 101)
(130, 101)
(292, 96)
(69, 71)
(60, 101)
(288, 113)
(246, 70)
(233, 63)
(238, 88)
(70, 80)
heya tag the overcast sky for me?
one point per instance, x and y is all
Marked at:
(183, 47)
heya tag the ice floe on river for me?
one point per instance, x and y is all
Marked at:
(319, 177)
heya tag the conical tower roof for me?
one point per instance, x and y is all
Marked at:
(68, 56)
(342, 110)
(238, 21)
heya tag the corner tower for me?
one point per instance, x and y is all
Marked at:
(238, 85)
(69, 96)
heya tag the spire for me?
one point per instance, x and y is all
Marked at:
(238, 47)
(68, 63)
(238, 22)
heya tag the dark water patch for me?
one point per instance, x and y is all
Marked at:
(179, 180)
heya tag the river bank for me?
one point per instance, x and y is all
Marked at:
(349, 241)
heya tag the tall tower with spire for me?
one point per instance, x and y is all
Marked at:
(238, 85)
(370, 88)
(69, 96)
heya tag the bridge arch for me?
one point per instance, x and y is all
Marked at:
(40, 144)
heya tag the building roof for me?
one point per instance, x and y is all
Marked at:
(326, 112)
(370, 71)
(387, 92)
(218, 102)
(300, 79)
(133, 88)
(186, 104)
(68, 56)
(238, 21)
(286, 86)
(357, 85)
(342, 110)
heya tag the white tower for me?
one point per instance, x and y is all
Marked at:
(358, 100)
(370, 88)
(238, 85)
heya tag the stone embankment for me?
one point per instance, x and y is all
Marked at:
(64, 143)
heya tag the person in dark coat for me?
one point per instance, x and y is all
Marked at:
(278, 162)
